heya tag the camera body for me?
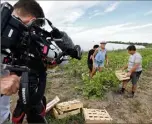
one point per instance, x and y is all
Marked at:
(19, 38)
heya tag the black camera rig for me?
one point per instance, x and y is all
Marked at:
(28, 48)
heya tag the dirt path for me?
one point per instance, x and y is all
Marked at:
(121, 109)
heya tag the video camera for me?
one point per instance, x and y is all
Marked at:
(31, 48)
(26, 40)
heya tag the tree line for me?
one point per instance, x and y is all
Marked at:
(135, 43)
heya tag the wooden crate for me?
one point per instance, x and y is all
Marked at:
(96, 116)
(52, 103)
(121, 75)
(58, 115)
(70, 105)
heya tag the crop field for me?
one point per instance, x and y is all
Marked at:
(93, 92)
(106, 80)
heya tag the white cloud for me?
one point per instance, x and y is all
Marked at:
(121, 32)
(72, 16)
(138, 27)
(148, 13)
(112, 7)
(46, 5)
(96, 14)
(63, 12)
(96, 10)
(108, 9)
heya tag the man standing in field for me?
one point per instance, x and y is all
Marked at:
(134, 68)
(90, 59)
(99, 56)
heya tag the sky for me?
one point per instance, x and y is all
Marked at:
(89, 22)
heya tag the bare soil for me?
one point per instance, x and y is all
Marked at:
(121, 109)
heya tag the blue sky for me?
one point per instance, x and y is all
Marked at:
(87, 21)
(124, 12)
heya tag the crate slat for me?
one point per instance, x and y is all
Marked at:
(64, 115)
(52, 103)
(69, 105)
(121, 75)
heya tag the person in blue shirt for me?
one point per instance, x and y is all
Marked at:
(99, 57)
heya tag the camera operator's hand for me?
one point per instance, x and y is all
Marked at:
(9, 84)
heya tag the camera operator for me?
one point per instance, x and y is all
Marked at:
(27, 11)
(30, 53)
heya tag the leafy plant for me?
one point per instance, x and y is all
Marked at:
(104, 81)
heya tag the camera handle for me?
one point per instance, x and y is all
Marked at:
(24, 87)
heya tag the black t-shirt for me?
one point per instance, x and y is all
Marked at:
(89, 54)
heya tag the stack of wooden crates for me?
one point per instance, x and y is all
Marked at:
(65, 109)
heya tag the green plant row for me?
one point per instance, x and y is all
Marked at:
(104, 81)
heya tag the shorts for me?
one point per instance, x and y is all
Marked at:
(98, 64)
(135, 77)
(90, 66)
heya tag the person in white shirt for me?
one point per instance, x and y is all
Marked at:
(134, 68)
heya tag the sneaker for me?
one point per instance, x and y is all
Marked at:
(121, 92)
(130, 95)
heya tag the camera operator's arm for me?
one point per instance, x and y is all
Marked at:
(9, 84)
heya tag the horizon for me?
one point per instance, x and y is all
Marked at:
(88, 21)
